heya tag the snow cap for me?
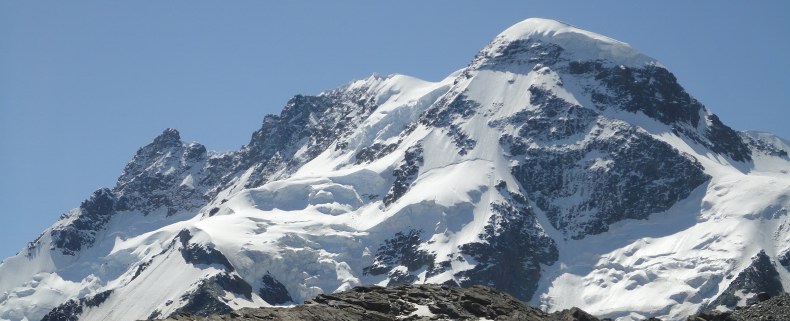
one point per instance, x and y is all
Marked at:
(577, 43)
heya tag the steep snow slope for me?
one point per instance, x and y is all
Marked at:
(561, 166)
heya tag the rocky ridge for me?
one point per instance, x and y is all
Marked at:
(762, 308)
(404, 302)
(426, 302)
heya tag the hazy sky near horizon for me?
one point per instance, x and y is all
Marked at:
(83, 84)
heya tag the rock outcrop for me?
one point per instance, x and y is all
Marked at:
(404, 302)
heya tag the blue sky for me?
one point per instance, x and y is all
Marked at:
(83, 84)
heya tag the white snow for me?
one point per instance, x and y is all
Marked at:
(422, 311)
(582, 44)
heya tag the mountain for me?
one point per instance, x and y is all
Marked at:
(560, 166)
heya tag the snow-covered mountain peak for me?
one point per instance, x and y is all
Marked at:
(575, 44)
(560, 166)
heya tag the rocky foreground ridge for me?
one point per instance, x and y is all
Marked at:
(442, 302)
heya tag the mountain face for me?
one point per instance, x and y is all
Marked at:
(560, 166)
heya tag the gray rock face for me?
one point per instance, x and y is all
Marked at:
(311, 123)
(202, 254)
(153, 178)
(654, 91)
(776, 308)
(564, 154)
(402, 249)
(374, 152)
(650, 89)
(760, 145)
(405, 302)
(71, 310)
(93, 215)
(760, 277)
(765, 308)
(405, 174)
(444, 114)
(611, 177)
(272, 291)
(440, 302)
(207, 298)
(511, 249)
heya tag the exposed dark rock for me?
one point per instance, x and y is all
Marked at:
(764, 147)
(311, 123)
(563, 153)
(512, 249)
(776, 308)
(200, 253)
(405, 174)
(520, 55)
(155, 315)
(760, 277)
(454, 303)
(448, 110)
(183, 236)
(205, 254)
(784, 259)
(576, 314)
(97, 299)
(444, 114)
(374, 152)
(69, 311)
(726, 141)
(93, 215)
(207, 298)
(406, 302)
(397, 277)
(170, 137)
(403, 249)
(286, 133)
(272, 291)
(140, 269)
(522, 52)
(626, 175)
(72, 309)
(152, 179)
(555, 119)
(652, 90)
(461, 140)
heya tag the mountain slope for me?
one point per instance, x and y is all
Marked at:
(560, 166)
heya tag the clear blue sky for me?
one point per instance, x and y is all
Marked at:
(83, 84)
